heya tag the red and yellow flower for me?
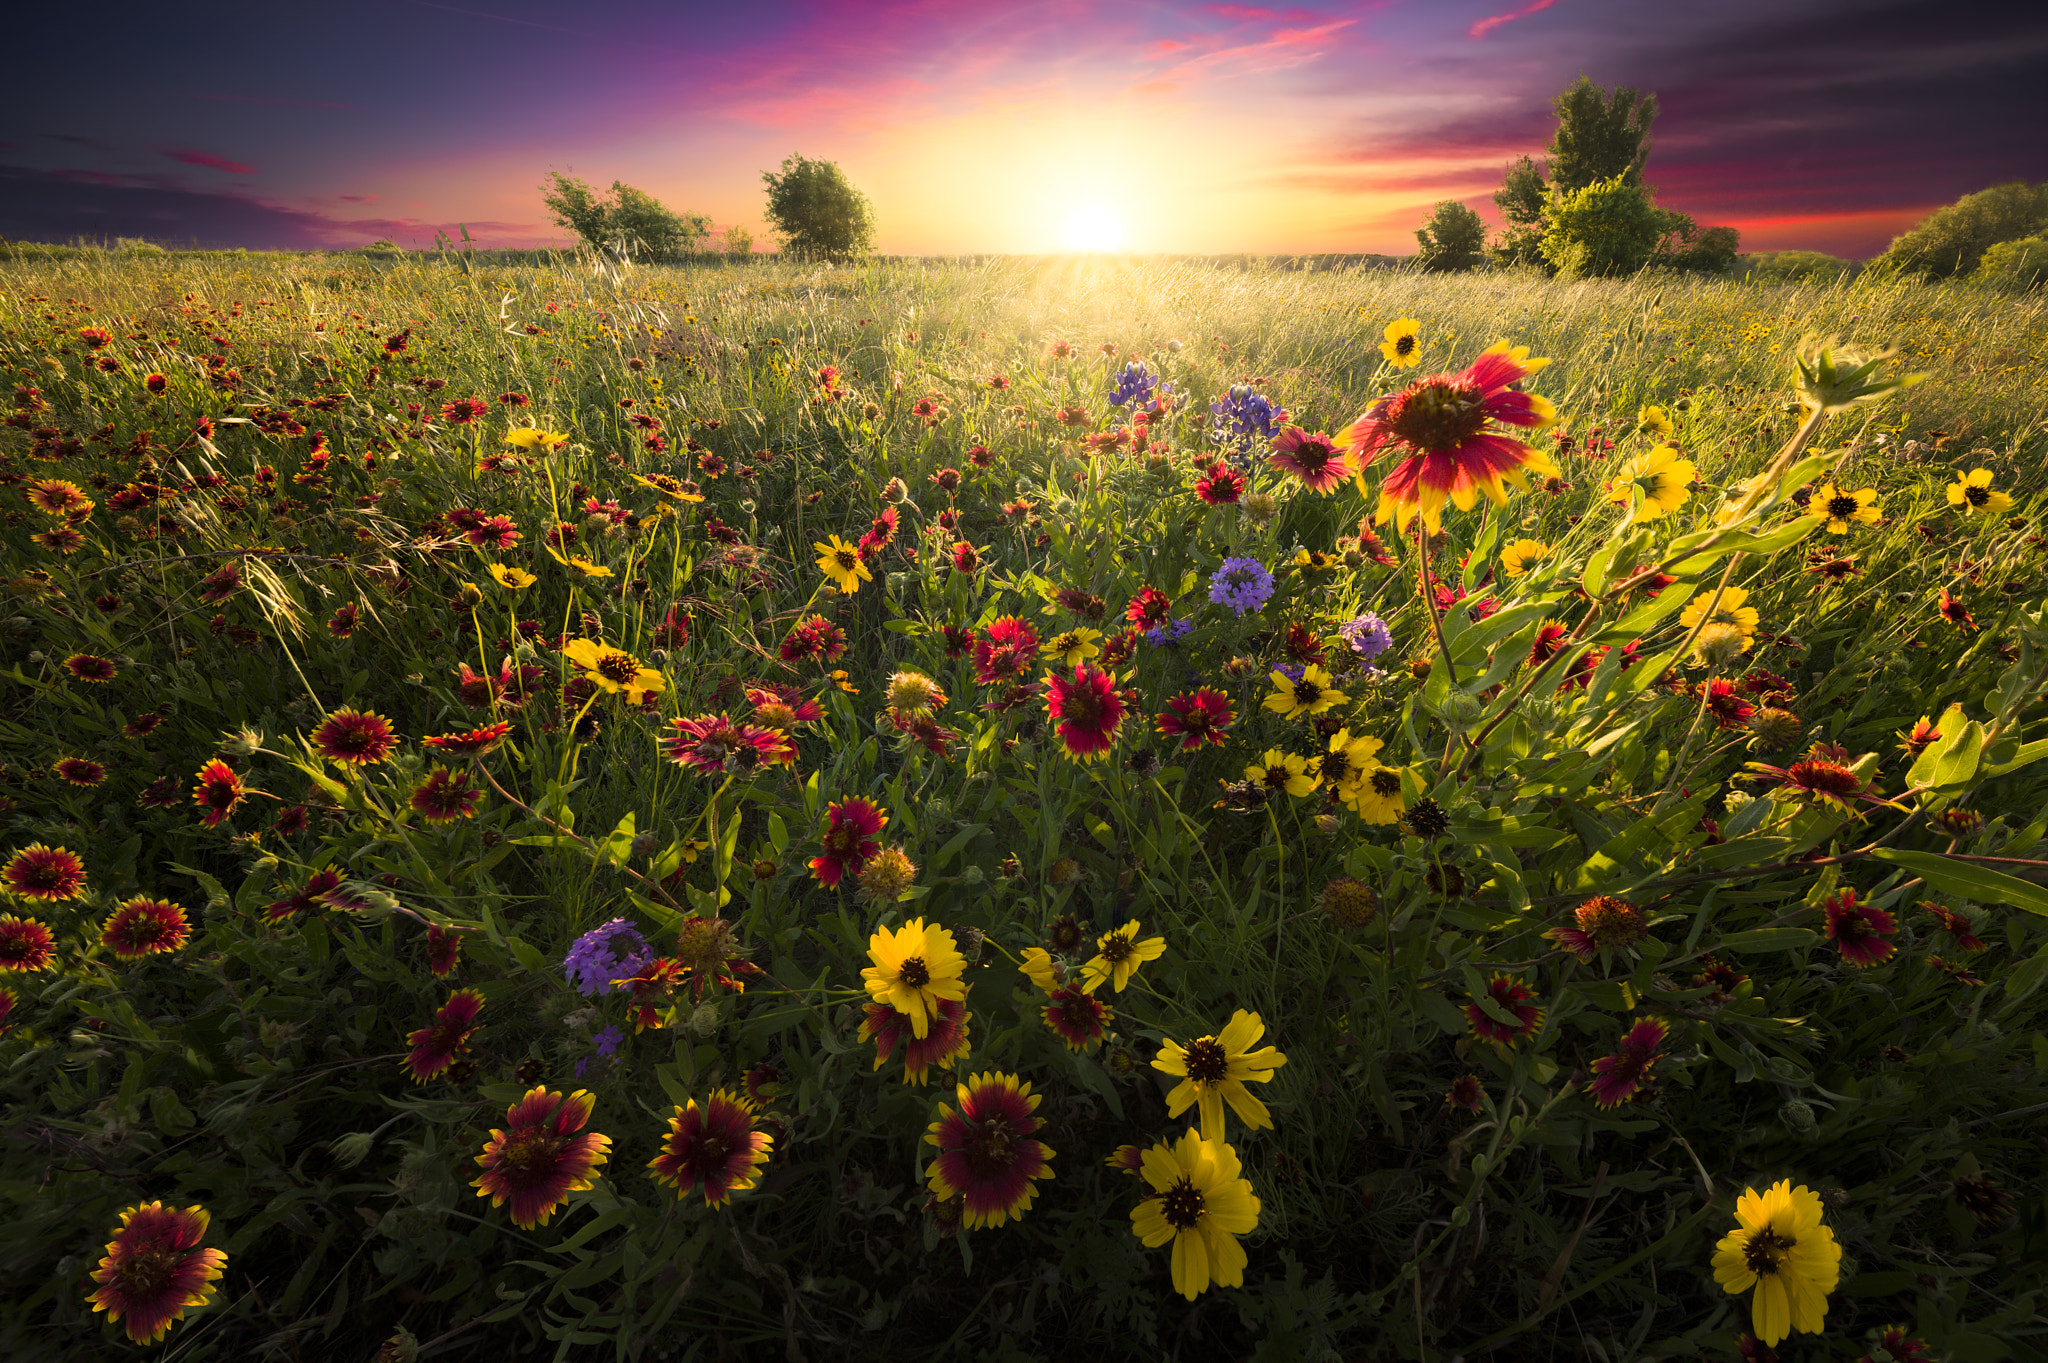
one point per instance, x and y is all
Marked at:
(145, 927)
(154, 1269)
(435, 1046)
(537, 1160)
(715, 1149)
(988, 1156)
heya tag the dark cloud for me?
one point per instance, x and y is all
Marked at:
(72, 139)
(187, 156)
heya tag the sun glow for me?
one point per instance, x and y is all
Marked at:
(1094, 227)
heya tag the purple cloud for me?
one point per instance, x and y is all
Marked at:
(206, 158)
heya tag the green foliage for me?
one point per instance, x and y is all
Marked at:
(737, 241)
(1610, 227)
(1686, 245)
(631, 223)
(1794, 267)
(1601, 135)
(1453, 239)
(1951, 240)
(817, 211)
(2022, 264)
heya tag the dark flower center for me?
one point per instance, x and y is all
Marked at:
(1307, 693)
(1386, 782)
(1207, 1061)
(1336, 767)
(991, 1147)
(618, 668)
(1841, 507)
(1404, 346)
(1276, 776)
(530, 1153)
(711, 1150)
(1976, 496)
(914, 972)
(147, 1271)
(1078, 1012)
(1765, 1252)
(1428, 819)
(1826, 777)
(1436, 415)
(845, 558)
(1182, 1205)
(1116, 948)
(1081, 706)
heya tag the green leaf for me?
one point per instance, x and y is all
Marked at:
(1970, 880)
(778, 833)
(1770, 939)
(1743, 541)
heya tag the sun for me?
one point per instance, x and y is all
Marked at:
(1094, 227)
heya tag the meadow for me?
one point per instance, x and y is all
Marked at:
(562, 810)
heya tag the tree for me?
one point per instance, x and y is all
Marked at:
(1952, 240)
(817, 211)
(1601, 135)
(1454, 238)
(630, 223)
(1521, 199)
(1688, 246)
(1609, 227)
(738, 241)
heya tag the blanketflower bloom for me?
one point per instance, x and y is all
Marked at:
(1220, 485)
(813, 639)
(79, 771)
(1954, 611)
(1817, 780)
(1005, 651)
(1197, 717)
(1835, 508)
(1512, 997)
(1453, 452)
(25, 944)
(1860, 932)
(1780, 1248)
(443, 796)
(1972, 492)
(46, 873)
(1400, 346)
(1214, 1070)
(1729, 610)
(1077, 1015)
(474, 743)
(1309, 694)
(987, 1154)
(143, 926)
(88, 667)
(913, 693)
(1617, 1077)
(1312, 458)
(1522, 555)
(154, 1269)
(435, 1047)
(1118, 954)
(218, 792)
(444, 949)
(944, 1042)
(1088, 710)
(850, 839)
(713, 744)
(915, 967)
(1201, 1202)
(355, 738)
(1602, 923)
(613, 669)
(1277, 771)
(715, 1148)
(1665, 480)
(537, 1160)
(842, 563)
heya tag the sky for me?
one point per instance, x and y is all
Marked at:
(1145, 125)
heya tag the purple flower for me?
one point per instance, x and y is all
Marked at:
(1244, 418)
(604, 954)
(1134, 383)
(1243, 584)
(1367, 634)
(608, 1040)
(1169, 634)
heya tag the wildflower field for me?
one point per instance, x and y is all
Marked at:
(1023, 810)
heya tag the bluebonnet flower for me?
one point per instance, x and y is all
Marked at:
(1243, 584)
(610, 952)
(1367, 634)
(1169, 634)
(1244, 418)
(1134, 383)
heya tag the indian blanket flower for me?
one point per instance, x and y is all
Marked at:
(1956, 925)
(1214, 1070)
(46, 873)
(537, 1160)
(715, 1149)
(154, 1269)
(1303, 696)
(614, 670)
(143, 926)
(1729, 610)
(713, 744)
(25, 944)
(88, 667)
(1197, 717)
(988, 1156)
(1220, 485)
(915, 967)
(355, 738)
(1816, 780)
(1367, 635)
(1954, 611)
(1400, 346)
(1444, 422)
(55, 497)
(1519, 557)
(605, 955)
(1664, 479)
(1118, 954)
(1780, 1248)
(841, 562)
(1005, 650)
(79, 771)
(1972, 492)
(945, 1041)
(1201, 1202)
(443, 796)
(1277, 771)
(1511, 997)
(1616, 1078)
(434, 1047)
(1077, 1015)
(1602, 923)
(1312, 458)
(1088, 710)
(444, 949)
(218, 791)
(1860, 932)
(1835, 508)
(472, 743)
(914, 693)
(850, 839)
(1243, 584)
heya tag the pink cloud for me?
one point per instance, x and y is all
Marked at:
(1488, 25)
(208, 159)
(358, 198)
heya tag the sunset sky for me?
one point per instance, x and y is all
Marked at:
(1159, 126)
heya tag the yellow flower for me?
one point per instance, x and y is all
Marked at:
(1522, 555)
(1972, 492)
(512, 579)
(1401, 347)
(1376, 798)
(915, 967)
(668, 487)
(530, 438)
(1118, 956)
(1072, 646)
(1780, 1248)
(1310, 696)
(1347, 762)
(614, 669)
(586, 567)
(1215, 1069)
(1201, 1202)
(1662, 476)
(1835, 508)
(1286, 771)
(842, 563)
(1730, 611)
(1656, 421)
(1040, 968)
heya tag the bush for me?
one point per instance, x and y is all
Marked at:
(1610, 227)
(1796, 267)
(817, 211)
(1453, 239)
(631, 223)
(1951, 240)
(1688, 246)
(2022, 263)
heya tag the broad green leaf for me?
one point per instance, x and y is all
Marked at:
(1970, 880)
(1769, 939)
